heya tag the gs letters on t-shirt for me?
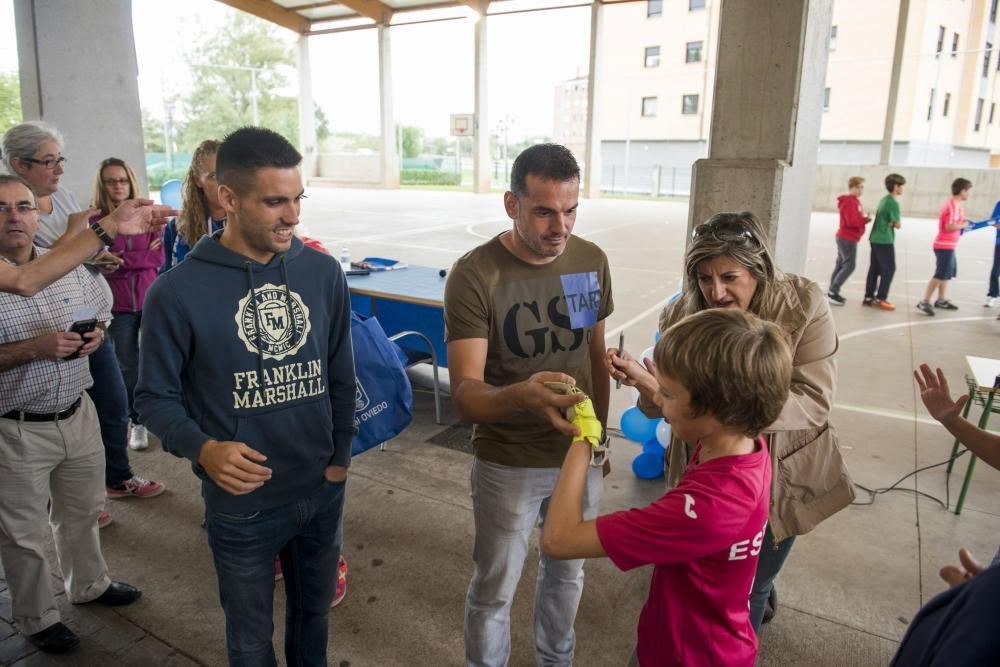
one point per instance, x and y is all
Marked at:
(273, 322)
(548, 316)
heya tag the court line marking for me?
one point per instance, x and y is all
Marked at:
(901, 325)
(638, 318)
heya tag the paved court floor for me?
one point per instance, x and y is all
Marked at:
(847, 592)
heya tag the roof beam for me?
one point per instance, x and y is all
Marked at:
(480, 6)
(275, 13)
(373, 9)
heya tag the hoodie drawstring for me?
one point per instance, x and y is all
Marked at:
(256, 322)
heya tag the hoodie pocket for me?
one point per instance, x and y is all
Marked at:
(291, 438)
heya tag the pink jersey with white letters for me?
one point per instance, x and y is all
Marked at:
(703, 537)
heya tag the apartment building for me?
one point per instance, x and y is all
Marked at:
(659, 78)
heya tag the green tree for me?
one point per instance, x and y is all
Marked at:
(413, 141)
(243, 61)
(153, 137)
(10, 101)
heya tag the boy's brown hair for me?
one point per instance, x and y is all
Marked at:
(736, 367)
(855, 182)
(960, 184)
(892, 180)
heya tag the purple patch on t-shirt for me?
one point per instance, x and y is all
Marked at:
(583, 298)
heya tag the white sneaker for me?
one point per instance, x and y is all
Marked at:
(991, 301)
(138, 438)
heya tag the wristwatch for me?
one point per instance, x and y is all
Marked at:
(582, 416)
(101, 233)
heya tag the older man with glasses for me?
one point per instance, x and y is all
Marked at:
(50, 441)
(33, 151)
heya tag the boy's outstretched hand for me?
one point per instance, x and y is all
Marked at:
(935, 395)
(958, 574)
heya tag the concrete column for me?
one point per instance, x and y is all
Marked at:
(481, 178)
(307, 114)
(78, 71)
(592, 147)
(771, 71)
(885, 155)
(390, 155)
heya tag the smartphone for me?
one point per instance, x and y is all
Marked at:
(81, 327)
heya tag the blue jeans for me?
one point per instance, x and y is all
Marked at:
(111, 400)
(304, 534)
(768, 566)
(507, 503)
(124, 330)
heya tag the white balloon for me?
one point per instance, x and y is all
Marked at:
(663, 433)
(647, 354)
(635, 395)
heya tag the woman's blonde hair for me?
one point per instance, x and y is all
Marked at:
(739, 236)
(101, 198)
(192, 223)
(735, 366)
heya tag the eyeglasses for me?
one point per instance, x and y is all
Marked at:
(110, 182)
(22, 209)
(49, 164)
(729, 231)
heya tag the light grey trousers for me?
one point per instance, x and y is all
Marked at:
(63, 461)
(508, 503)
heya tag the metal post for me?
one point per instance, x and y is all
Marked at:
(253, 97)
(897, 67)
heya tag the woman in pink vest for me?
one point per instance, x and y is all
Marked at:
(142, 256)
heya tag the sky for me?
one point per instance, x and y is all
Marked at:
(527, 54)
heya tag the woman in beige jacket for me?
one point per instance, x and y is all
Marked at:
(729, 265)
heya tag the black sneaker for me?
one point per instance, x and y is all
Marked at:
(869, 302)
(835, 299)
(925, 308)
(944, 304)
(772, 606)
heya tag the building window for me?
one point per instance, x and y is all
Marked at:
(947, 103)
(689, 105)
(654, 8)
(954, 46)
(979, 115)
(696, 4)
(649, 107)
(986, 60)
(993, 111)
(940, 41)
(833, 38)
(693, 52)
(652, 56)
(930, 105)
(826, 99)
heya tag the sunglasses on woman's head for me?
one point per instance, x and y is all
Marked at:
(725, 230)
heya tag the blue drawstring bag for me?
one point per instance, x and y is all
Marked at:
(383, 399)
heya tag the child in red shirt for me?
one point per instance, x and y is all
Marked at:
(852, 228)
(723, 377)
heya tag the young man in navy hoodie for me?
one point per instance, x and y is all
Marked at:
(253, 381)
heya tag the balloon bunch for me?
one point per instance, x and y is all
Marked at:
(652, 434)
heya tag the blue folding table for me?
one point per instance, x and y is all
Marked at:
(410, 299)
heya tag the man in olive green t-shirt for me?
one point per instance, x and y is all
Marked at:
(522, 309)
(883, 235)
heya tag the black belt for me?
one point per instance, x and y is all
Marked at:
(48, 417)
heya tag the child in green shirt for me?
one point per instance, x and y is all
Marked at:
(882, 237)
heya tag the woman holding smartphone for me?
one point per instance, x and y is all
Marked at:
(141, 255)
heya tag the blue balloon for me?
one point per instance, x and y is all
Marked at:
(654, 447)
(637, 426)
(656, 336)
(647, 466)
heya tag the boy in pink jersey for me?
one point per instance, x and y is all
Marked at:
(723, 377)
(951, 222)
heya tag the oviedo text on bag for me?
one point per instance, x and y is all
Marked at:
(383, 399)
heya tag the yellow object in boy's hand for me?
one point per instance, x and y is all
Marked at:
(582, 416)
